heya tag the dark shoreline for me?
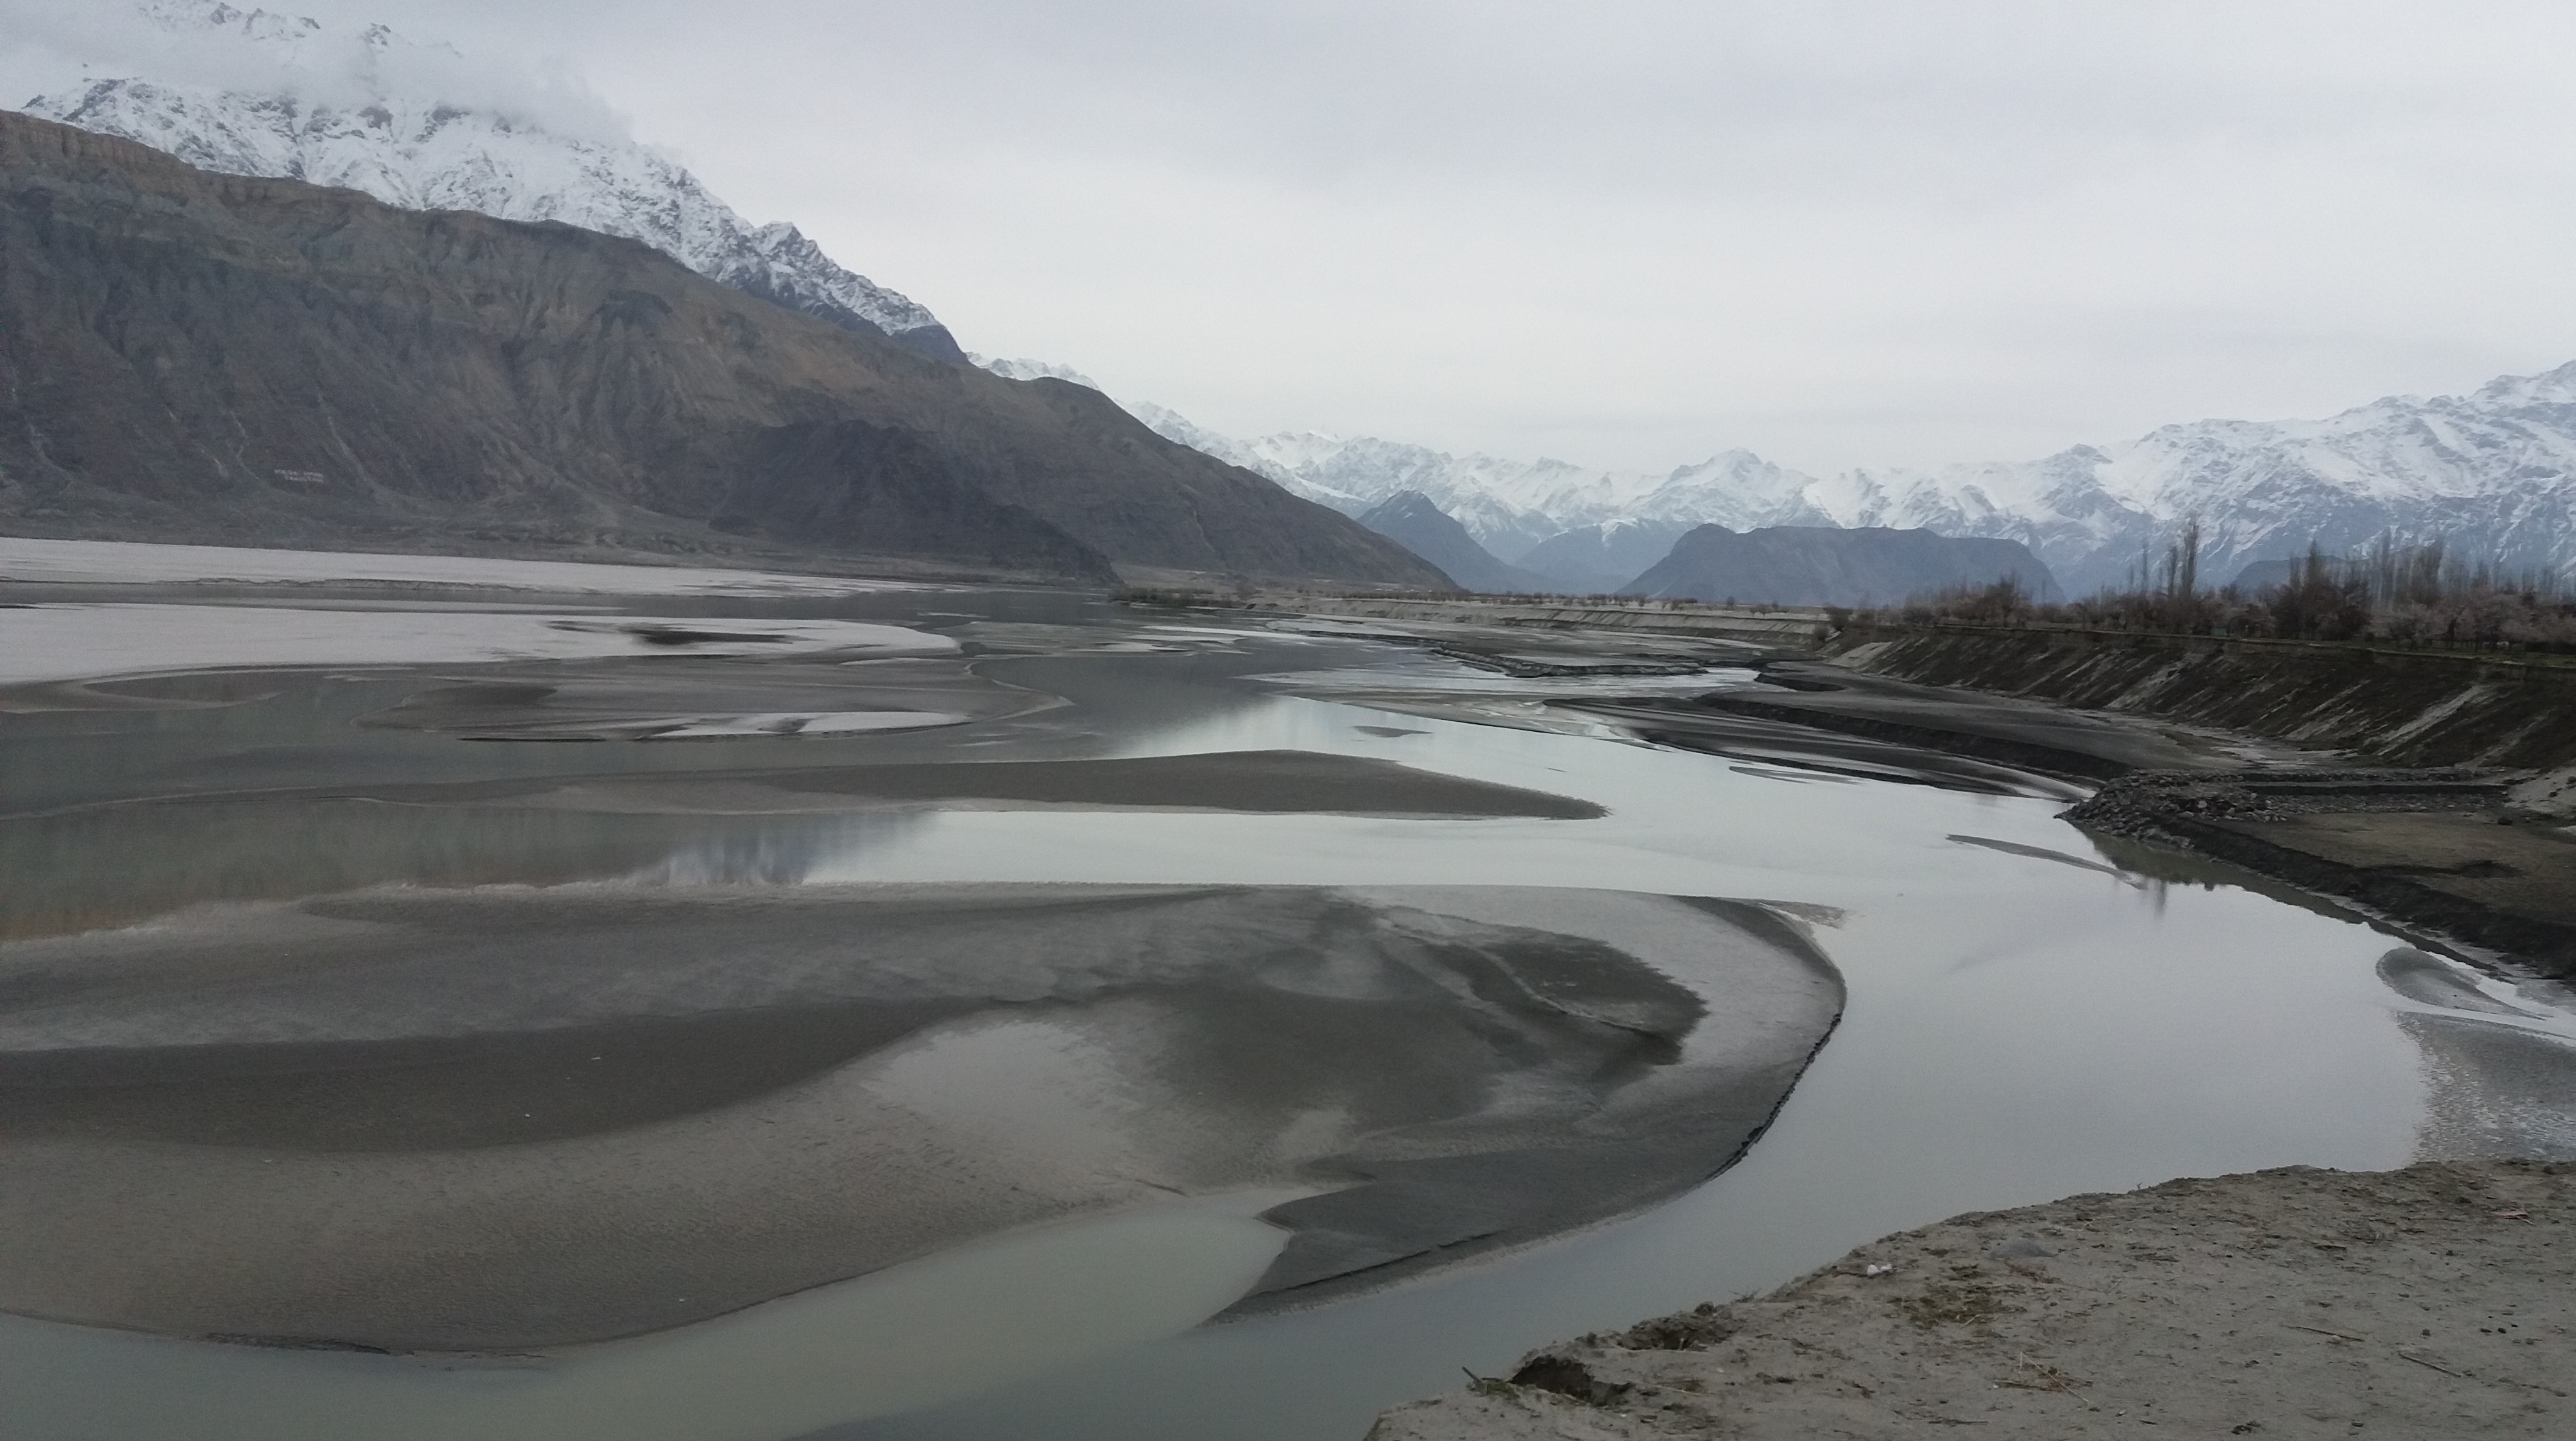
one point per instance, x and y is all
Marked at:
(2416, 847)
(2444, 853)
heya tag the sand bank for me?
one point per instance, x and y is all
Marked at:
(109, 562)
(40, 643)
(2433, 1302)
(514, 1118)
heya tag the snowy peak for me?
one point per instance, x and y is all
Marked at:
(255, 25)
(2550, 389)
(420, 127)
(777, 262)
(2492, 472)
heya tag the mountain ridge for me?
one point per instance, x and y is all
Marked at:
(428, 152)
(2492, 471)
(1411, 520)
(187, 355)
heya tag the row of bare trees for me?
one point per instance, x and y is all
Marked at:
(2397, 591)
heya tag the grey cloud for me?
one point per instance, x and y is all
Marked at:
(46, 46)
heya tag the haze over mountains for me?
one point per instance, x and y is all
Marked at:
(1825, 565)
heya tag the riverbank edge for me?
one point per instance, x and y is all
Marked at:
(2430, 1301)
(2196, 814)
(2493, 723)
(2502, 728)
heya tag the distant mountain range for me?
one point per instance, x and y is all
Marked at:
(338, 113)
(2492, 472)
(1412, 521)
(1827, 565)
(189, 356)
(1602, 559)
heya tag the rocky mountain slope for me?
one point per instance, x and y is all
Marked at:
(192, 356)
(1412, 521)
(2492, 472)
(1823, 565)
(344, 108)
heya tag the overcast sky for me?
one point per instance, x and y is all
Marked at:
(1635, 234)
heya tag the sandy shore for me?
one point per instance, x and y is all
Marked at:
(2431, 1302)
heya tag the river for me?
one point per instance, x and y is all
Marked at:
(2026, 1017)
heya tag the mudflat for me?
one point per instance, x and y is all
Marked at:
(1256, 782)
(506, 1118)
(2529, 869)
(2004, 729)
(2437, 1301)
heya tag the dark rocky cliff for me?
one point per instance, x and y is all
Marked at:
(187, 356)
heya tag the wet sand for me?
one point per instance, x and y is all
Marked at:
(2007, 731)
(503, 1119)
(2431, 1302)
(1252, 782)
(111, 864)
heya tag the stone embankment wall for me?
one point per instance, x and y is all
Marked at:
(2398, 707)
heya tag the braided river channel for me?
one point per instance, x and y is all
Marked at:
(991, 1015)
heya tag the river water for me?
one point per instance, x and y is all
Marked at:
(2028, 1017)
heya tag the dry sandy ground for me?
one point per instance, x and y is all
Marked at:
(2424, 1303)
(70, 642)
(113, 562)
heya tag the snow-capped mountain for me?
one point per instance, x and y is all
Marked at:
(1509, 506)
(2492, 472)
(1035, 370)
(359, 109)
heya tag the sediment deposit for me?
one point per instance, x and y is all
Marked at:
(2432, 1302)
(507, 1117)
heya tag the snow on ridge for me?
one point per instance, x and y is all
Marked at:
(421, 127)
(2494, 471)
(1026, 369)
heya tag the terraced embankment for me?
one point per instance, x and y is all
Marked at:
(2478, 850)
(2397, 707)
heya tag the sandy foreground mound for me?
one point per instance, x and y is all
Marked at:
(512, 1117)
(2429, 1302)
